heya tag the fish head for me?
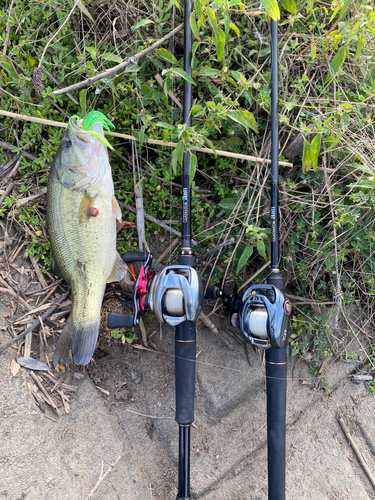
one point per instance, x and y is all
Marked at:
(82, 159)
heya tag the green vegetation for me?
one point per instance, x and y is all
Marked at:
(326, 106)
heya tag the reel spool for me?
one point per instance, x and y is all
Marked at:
(176, 295)
(264, 316)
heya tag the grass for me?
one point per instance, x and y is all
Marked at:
(327, 89)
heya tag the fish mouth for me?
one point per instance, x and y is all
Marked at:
(81, 137)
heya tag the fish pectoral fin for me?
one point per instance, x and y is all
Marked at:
(119, 270)
(87, 209)
(56, 270)
(116, 209)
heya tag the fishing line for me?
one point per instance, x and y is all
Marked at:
(237, 370)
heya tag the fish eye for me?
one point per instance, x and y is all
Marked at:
(67, 143)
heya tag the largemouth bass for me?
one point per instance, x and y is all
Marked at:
(81, 222)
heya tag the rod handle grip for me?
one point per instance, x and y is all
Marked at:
(116, 320)
(130, 257)
(185, 352)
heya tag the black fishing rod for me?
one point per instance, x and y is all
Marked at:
(185, 335)
(263, 315)
(175, 296)
(276, 362)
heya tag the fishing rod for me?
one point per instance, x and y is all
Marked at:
(175, 296)
(263, 315)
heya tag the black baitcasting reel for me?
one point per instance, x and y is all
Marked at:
(174, 295)
(262, 316)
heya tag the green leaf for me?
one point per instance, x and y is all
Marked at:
(167, 56)
(85, 11)
(165, 125)
(219, 35)
(336, 63)
(234, 28)
(9, 68)
(261, 247)
(209, 72)
(246, 254)
(361, 43)
(228, 203)
(194, 27)
(233, 3)
(184, 75)
(108, 56)
(82, 100)
(210, 145)
(289, 6)
(195, 109)
(140, 24)
(193, 166)
(174, 162)
(311, 154)
(198, 10)
(180, 152)
(368, 26)
(250, 120)
(244, 118)
(30, 61)
(271, 8)
(92, 51)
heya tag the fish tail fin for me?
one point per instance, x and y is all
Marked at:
(84, 342)
(62, 355)
(80, 340)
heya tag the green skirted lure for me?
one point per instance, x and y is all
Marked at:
(92, 119)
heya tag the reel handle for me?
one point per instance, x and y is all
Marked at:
(130, 257)
(116, 320)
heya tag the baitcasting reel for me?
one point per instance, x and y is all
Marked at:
(263, 316)
(175, 295)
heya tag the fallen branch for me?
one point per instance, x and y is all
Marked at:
(356, 451)
(36, 323)
(115, 69)
(13, 294)
(155, 221)
(102, 477)
(156, 142)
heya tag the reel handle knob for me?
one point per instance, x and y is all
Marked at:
(213, 292)
(116, 320)
(130, 257)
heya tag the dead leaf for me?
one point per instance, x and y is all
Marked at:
(125, 224)
(14, 367)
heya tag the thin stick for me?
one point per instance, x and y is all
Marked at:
(8, 29)
(115, 69)
(155, 221)
(102, 477)
(356, 451)
(36, 323)
(255, 275)
(13, 294)
(57, 32)
(156, 142)
(168, 250)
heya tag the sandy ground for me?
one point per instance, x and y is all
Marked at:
(46, 456)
